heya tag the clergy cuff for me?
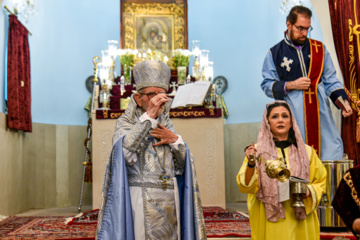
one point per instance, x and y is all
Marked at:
(278, 90)
(337, 93)
(251, 166)
(175, 145)
(252, 181)
(145, 117)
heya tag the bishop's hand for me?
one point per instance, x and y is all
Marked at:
(157, 105)
(165, 135)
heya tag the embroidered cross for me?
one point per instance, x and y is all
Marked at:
(316, 46)
(164, 178)
(286, 63)
(309, 92)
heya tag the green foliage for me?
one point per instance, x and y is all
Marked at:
(180, 60)
(127, 59)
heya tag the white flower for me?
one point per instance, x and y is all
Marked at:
(126, 51)
(183, 52)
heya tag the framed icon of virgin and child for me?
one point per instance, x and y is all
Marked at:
(159, 26)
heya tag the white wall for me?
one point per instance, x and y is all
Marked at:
(66, 35)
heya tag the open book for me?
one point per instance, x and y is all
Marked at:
(341, 104)
(192, 94)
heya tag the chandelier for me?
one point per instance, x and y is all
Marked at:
(25, 9)
(286, 5)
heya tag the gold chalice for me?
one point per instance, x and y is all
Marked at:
(298, 187)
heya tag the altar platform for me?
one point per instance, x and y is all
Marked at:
(204, 134)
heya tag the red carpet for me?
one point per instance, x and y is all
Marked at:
(222, 223)
(43, 228)
(218, 222)
(218, 214)
(227, 229)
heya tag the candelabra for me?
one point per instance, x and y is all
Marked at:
(105, 83)
(196, 53)
(210, 97)
(122, 85)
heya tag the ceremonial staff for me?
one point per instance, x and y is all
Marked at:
(87, 169)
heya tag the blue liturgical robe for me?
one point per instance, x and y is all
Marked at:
(284, 62)
(115, 219)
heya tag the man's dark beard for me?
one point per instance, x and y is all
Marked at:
(297, 42)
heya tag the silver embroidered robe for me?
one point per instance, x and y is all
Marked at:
(154, 208)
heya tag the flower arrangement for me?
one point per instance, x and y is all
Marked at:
(127, 57)
(181, 57)
(127, 61)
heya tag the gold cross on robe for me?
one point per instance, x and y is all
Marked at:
(309, 93)
(164, 178)
(316, 45)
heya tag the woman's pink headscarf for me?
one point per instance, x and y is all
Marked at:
(299, 167)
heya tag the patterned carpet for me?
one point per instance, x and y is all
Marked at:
(218, 214)
(223, 223)
(44, 228)
(218, 222)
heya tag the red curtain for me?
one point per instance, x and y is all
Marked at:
(18, 69)
(345, 20)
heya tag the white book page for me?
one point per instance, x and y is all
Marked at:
(181, 96)
(192, 94)
(199, 90)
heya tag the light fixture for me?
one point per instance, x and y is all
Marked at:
(25, 9)
(286, 5)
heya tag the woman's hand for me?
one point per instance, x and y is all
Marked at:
(250, 150)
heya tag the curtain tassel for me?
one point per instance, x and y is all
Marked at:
(358, 129)
(88, 171)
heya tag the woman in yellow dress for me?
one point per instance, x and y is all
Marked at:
(271, 219)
